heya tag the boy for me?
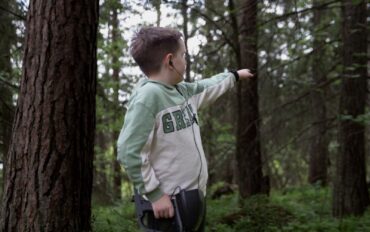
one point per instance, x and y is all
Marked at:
(159, 144)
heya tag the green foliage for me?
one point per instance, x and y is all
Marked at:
(306, 209)
(287, 160)
(257, 214)
(361, 119)
(263, 215)
(307, 203)
(120, 217)
(217, 209)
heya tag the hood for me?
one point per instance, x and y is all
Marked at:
(144, 81)
(139, 84)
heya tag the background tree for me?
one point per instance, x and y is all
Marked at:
(113, 88)
(157, 6)
(286, 57)
(350, 193)
(299, 67)
(248, 154)
(116, 67)
(185, 32)
(6, 105)
(218, 131)
(318, 161)
(11, 20)
(49, 164)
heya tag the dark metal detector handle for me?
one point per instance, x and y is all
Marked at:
(177, 216)
(143, 206)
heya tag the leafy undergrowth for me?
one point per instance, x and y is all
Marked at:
(295, 209)
(119, 217)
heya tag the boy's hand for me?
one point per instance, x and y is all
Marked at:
(163, 207)
(245, 74)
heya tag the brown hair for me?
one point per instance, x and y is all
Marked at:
(150, 44)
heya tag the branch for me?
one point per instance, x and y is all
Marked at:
(287, 15)
(212, 52)
(298, 57)
(7, 106)
(318, 86)
(228, 41)
(16, 87)
(13, 13)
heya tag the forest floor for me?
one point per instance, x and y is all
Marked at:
(295, 209)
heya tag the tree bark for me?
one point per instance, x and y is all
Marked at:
(52, 145)
(248, 155)
(318, 162)
(350, 194)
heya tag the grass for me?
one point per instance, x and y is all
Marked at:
(306, 209)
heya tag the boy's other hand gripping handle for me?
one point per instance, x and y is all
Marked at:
(163, 207)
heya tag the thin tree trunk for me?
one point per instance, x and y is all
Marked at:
(184, 12)
(350, 194)
(235, 28)
(318, 163)
(101, 186)
(52, 145)
(248, 138)
(117, 180)
(157, 5)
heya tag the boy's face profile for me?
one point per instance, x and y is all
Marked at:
(178, 59)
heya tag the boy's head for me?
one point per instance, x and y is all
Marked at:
(150, 45)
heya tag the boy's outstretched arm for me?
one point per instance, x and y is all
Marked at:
(206, 91)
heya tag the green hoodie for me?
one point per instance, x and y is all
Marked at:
(160, 145)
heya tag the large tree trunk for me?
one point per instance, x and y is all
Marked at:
(350, 194)
(318, 163)
(248, 139)
(50, 157)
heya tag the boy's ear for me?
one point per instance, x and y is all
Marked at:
(168, 59)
